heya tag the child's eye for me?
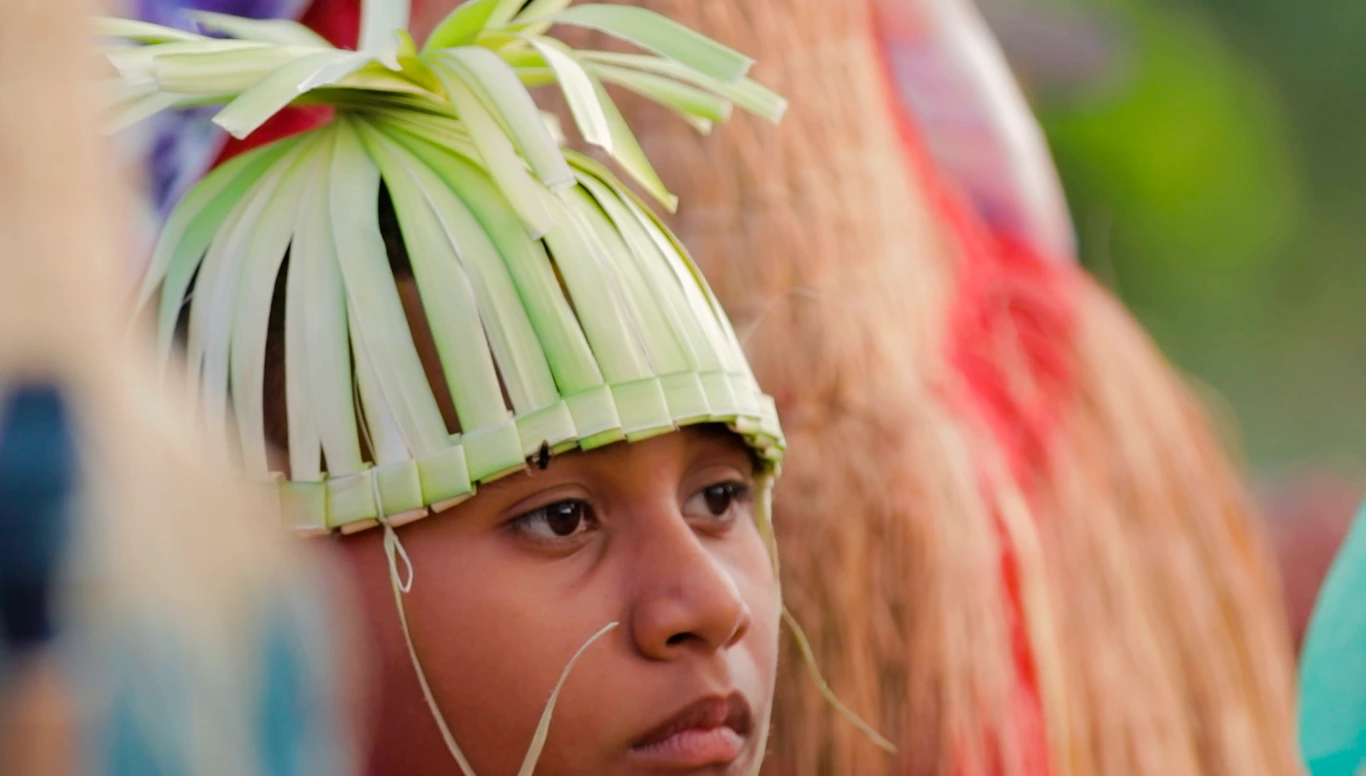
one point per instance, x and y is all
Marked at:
(717, 503)
(556, 522)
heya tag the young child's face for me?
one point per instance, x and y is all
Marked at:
(658, 536)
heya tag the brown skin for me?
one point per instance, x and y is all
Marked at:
(662, 540)
(39, 720)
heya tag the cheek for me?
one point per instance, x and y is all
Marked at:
(749, 564)
(750, 561)
(495, 630)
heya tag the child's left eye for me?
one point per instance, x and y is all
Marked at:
(717, 503)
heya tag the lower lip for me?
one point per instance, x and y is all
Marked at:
(692, 749)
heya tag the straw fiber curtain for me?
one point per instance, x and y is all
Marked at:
(1008, 528)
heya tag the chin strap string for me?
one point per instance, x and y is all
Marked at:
(393, 550)
(401, 581)
(533, 753)
(813, 669)
(764, 519)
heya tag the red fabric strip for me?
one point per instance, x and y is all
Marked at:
(1011, 317)
(339, 22)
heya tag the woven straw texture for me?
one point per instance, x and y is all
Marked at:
(1153, 632)
(888, 545)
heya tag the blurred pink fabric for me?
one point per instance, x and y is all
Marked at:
(952, 76)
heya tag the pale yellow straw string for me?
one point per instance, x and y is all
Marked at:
(401, 585)
(533, 753)
(393, 550)
(809, 658)
(764, 519)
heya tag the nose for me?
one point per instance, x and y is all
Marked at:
(687, 601)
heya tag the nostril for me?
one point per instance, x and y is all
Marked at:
(676, 639)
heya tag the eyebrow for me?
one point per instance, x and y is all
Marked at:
(506, 481)
(714, 436)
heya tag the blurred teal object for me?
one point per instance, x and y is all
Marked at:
(37, 477)
(277, 703)
(1333, 667)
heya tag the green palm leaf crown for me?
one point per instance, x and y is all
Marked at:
(563, 312)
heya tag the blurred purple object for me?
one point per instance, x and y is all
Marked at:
(1307, 517)
(956, 83)
(1062, 50)
(179, 147)
(172, 12)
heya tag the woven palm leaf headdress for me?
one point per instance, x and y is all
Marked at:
(564, 313)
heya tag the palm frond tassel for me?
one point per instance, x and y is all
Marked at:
(557, 311)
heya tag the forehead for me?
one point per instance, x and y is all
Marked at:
(619, 467)
(632, 463)
(678, 448)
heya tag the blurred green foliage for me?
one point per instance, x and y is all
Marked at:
(1218, 182)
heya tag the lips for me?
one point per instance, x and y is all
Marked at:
(710, 731)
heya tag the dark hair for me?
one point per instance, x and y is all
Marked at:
(273, 384)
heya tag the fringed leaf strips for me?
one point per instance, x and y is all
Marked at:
(265, 65)
(560, 312)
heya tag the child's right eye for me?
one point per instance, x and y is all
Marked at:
(556, 523)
